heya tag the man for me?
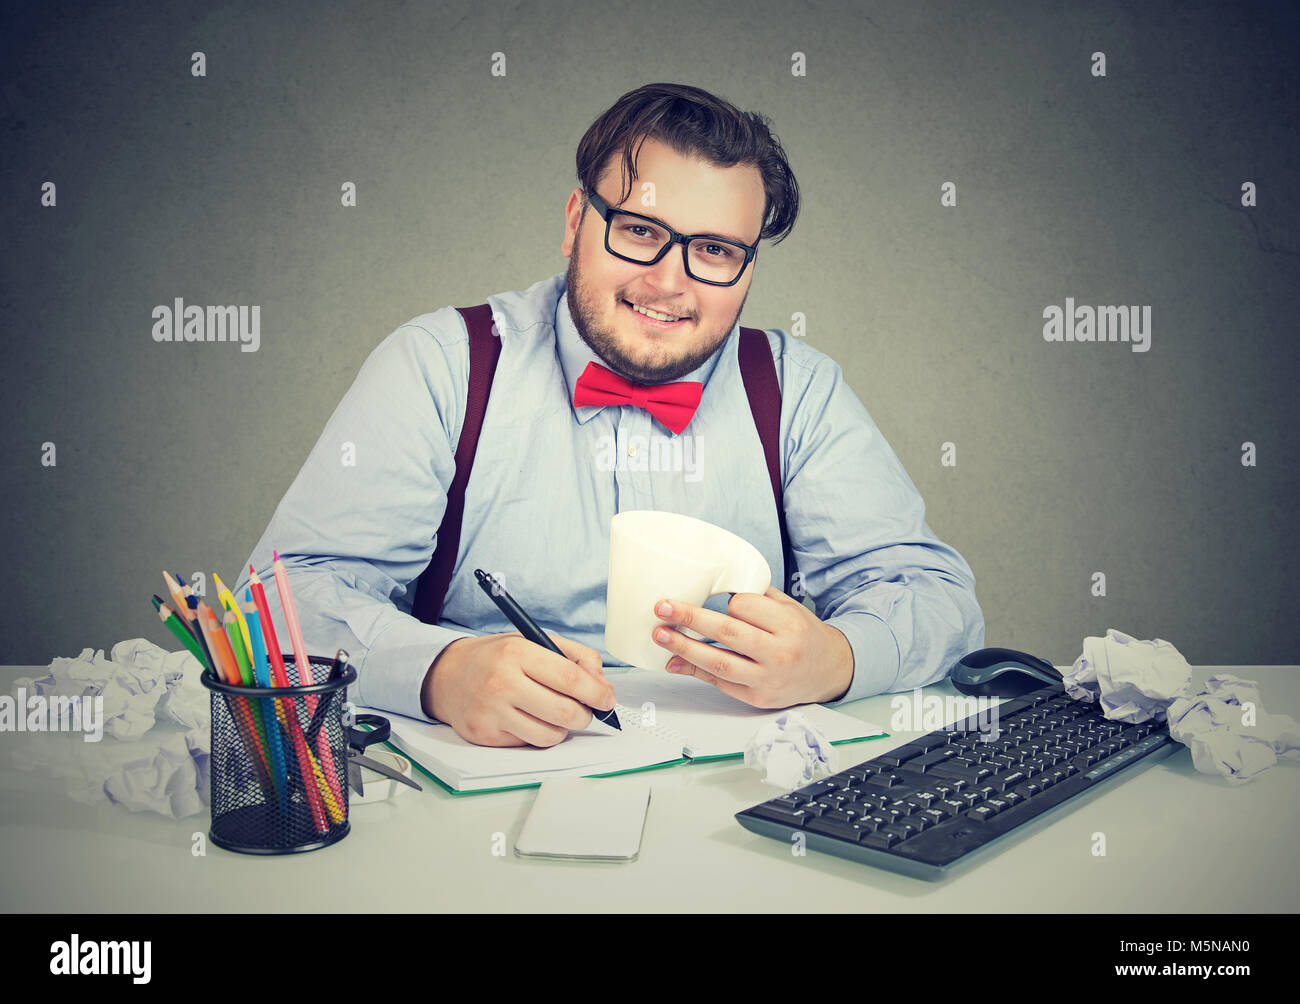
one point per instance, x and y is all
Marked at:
(895, 607)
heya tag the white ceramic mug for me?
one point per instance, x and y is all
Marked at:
(665, 555)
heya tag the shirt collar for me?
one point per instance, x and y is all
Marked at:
(575, 354)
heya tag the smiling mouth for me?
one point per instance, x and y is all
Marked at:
(654, 316)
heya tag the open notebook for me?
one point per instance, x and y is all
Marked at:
(692, 721)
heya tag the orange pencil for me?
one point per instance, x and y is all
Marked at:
(238, 709)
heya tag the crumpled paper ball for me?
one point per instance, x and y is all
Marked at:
(1137, 681)
(792, 751)
(1134, 680)
(1226, 735)
(146, 769)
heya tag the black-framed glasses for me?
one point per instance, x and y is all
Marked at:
(644, 241)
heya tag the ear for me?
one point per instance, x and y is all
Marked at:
(572, 214)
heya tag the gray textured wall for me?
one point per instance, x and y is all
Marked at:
(1071, 458)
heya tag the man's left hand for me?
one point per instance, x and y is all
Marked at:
(781, 654)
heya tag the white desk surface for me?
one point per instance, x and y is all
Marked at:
(1177, 841)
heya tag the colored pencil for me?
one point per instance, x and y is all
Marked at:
(303, 660)
(301, 751)
(242, 662)
(178, 601)
(268, 628)
(246, 675)
(175, 626)
(192, 604)
(228, 601)
(257, 647)
(221, 642)
(238, 711)
(272, 713)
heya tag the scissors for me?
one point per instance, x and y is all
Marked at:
(359, 740)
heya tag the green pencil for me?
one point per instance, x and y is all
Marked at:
(172, 620)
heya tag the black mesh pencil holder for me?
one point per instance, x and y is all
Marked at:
(279, 762)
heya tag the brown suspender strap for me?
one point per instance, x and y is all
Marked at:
(484, 347)
(758, 371)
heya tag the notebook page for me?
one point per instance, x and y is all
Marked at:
(714, 723)
(464, 765)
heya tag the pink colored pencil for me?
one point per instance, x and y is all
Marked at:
(301, 749)
(303, 660)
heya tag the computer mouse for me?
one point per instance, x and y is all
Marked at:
(1003, 672)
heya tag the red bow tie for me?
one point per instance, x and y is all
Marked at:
(673, 404)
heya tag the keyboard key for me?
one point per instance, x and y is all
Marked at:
(928, 760)
(922, 799)
(881, 839)
(913, 777)
(814, 790)
(971, 774)
(780, 814)
(1008, 708)
(900, 756)
(898, 830)
(835, 828)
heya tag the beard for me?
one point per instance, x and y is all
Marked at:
(602, 341)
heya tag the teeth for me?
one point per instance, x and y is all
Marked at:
(654, 313)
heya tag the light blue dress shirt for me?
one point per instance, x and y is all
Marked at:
(359, 523)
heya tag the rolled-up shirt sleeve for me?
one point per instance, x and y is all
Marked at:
(359, 523)
(872, 566)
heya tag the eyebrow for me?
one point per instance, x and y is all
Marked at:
(714, 233)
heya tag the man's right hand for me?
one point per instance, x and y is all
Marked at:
(503, 690)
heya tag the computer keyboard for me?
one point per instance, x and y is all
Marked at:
(931, 806)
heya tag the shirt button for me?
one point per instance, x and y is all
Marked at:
(631, 450)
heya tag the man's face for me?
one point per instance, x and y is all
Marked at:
(693, 197)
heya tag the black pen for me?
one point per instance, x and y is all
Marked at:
(318, 719)
(530, 630)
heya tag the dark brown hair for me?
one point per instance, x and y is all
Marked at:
(693, 122)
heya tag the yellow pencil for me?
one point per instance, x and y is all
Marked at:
(227, 599)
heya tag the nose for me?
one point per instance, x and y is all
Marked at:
(668, 275)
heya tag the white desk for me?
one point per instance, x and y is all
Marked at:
(1177, 841)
